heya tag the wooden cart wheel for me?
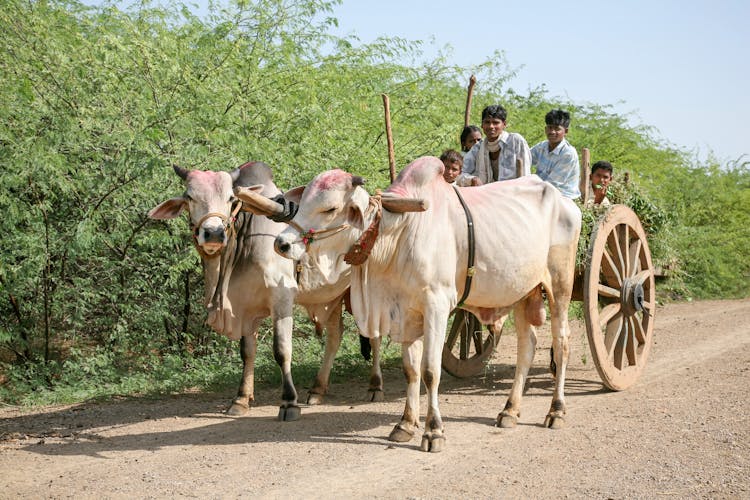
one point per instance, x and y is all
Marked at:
(468, 346)
(619, 298)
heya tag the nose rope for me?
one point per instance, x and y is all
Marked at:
(307, 237)
(226, 222)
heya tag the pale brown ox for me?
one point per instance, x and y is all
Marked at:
(246, 281)
(526, 235)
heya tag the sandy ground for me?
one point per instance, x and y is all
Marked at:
(681, 431)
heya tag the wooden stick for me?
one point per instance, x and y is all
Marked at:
(469, 94)
(389, 137)
(585, 173)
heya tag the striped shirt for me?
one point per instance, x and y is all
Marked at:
(559, 167)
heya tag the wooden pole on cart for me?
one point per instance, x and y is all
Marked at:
(389, 137)
(469, 93)
(585, 173)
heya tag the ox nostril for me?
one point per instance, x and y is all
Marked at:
(213, 235)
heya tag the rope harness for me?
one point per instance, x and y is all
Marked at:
(226, 222)
(360, 251)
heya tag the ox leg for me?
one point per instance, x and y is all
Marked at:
(560, 352)
(334, 326)
(375, 392)
(282, 353)
(245, 394)
(526, 344)
(411, 354)
(433, 439)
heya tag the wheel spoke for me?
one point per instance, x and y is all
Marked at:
(630, 348)
(607, 313)
(624, 247)
(465, 339)
(610, 270)
(642, 276)
(477, 335)
(634, 254)
(455, 329)
(616, 246)
(639, 333)
(620, 360)
(649, 307)
(613, 333)
(609, 292)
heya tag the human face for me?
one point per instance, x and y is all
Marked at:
(555, 135)
(600, 179)
(451, 171)
(472, 139)
(492, 128)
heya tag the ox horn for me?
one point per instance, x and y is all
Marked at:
(399, 205)
(257, 203)
(183, 173)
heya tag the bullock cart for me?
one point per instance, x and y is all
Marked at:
(616, 283)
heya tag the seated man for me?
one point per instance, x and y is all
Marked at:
(555, 159)
(452, 161)
(499, 156)
(601, 176)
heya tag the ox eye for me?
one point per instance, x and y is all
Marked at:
(330, 210)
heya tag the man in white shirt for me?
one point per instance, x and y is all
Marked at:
(499, 156)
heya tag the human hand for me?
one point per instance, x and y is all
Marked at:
(475, 181)
(600, 191)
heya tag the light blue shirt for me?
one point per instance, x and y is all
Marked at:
(559, 167)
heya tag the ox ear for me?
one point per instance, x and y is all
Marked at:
(294, 194)
(169, 209)
(355, 215)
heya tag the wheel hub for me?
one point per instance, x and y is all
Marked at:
(632, 296)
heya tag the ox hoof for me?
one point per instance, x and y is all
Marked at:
(376, 396)
(313, 398)
(289, 413)
(400, 435)
(554, 422)
(433, 444)
(238, 409)
(506, 421)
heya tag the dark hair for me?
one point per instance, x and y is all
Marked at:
(601, 165)
(557, 117)
(451, 155)
(495, 111)
(468, 130)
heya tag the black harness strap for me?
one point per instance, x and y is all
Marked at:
(470, 265)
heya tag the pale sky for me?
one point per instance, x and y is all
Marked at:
(682, 67)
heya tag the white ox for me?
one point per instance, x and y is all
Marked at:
(246, 281)
(526, 235)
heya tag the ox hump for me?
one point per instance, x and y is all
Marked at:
(421, 172)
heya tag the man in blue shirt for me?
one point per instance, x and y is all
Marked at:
(555, 159)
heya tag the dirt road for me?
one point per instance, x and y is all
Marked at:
(682, 431)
